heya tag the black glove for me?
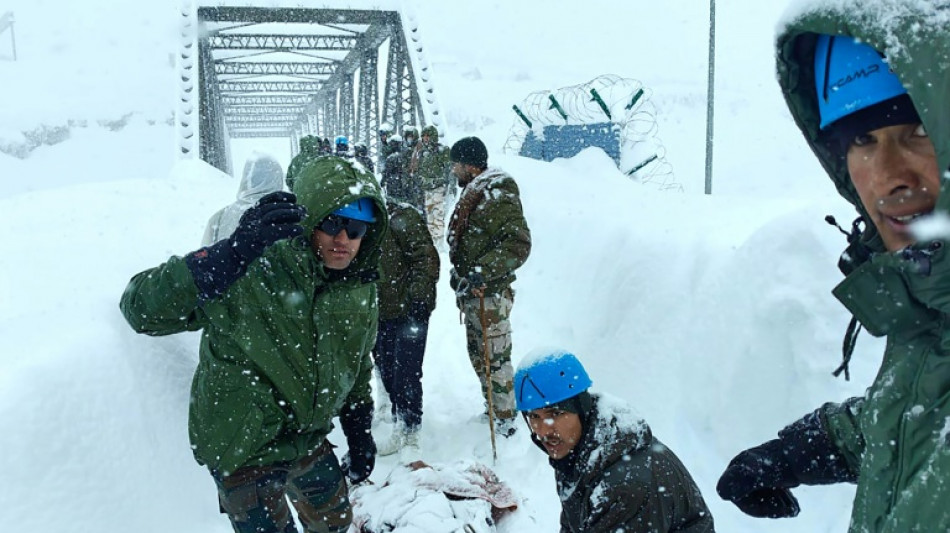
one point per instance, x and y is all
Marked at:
(417, 317)
(758, 480)
(475, 280)
(274, 217)
(359, 461)
(418, 311)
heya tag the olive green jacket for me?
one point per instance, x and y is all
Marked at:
(309, 152)
(430, 163)
(610, 482)
(897, 437)
(409, 264)
(285, 346)
(488, 233)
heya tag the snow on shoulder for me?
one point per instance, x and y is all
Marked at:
(622, 416)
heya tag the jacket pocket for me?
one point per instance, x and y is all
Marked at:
(229, 424)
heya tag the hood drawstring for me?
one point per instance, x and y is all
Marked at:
(847, 348)
(856, 254)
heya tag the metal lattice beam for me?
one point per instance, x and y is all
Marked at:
(260, 15)
(264, 117)
(305, 87)
(256, 134)
(281, 43)
(268, 100)
(272, 68)
(263, 110)
(263, 123)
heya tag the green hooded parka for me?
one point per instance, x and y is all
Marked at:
(896, 437)
(285, 346)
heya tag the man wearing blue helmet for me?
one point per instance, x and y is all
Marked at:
(612, 474)
(867, 83)
(341, 146)
(288, 313)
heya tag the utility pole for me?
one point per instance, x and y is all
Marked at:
(6, 21)
(710, 95)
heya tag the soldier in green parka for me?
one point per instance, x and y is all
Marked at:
(288, 314)
(431, 168)
(488, 240)
(867, 83)
(409, 267)
(310, 150)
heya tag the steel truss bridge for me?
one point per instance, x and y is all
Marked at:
(249, 72)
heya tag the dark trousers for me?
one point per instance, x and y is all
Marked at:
(255, 498)
(400, 346)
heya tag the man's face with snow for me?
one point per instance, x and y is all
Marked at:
(559, 431)
(894, 169)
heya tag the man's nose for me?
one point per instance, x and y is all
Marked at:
(341, 237)
(892, 170)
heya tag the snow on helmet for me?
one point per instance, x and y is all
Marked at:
(548, 376)
(362, 209)
(850, 76)
(385, 127)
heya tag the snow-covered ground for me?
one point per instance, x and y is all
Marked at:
(712, 315)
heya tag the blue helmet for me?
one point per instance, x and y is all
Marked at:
(341, 141)
(850, 76)
(547, 377)
(362, 209)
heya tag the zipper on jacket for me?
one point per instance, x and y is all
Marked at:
(902, 426)
(317, 291)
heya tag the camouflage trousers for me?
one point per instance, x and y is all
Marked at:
(255, 497)
(435, 215)
(498, 327)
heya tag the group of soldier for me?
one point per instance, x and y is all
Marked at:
(302, 296)
(296, 300)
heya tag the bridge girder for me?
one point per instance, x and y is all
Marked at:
(334, 94)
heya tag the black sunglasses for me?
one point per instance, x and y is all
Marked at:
(334, 224)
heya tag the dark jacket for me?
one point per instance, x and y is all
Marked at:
(488, 232)
(895, 438)
(620, 478)
(285, 346)
(398, 184)
(409, 264)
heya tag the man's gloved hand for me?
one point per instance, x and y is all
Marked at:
(758, 480)
(215, 268)
(359, 461)
(275, 216)
(418, 311)
(417, 317)
(476, 280)
(466, 285)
